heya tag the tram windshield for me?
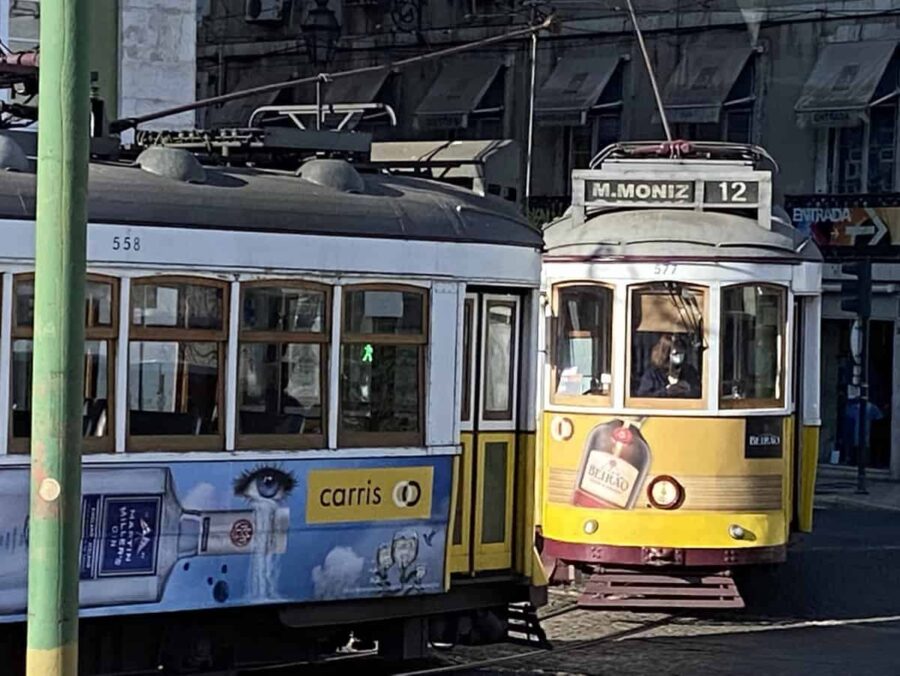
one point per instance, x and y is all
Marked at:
(753, 320)
(583, 341)
(667, 341)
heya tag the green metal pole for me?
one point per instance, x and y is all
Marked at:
(57, 391)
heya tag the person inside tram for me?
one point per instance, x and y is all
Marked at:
(669, 374)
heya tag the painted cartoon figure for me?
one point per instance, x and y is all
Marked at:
(384, 561)
(405, 551)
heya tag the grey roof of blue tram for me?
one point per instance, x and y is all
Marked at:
(676, 233)
(250, 199)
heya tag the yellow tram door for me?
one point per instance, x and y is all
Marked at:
(483, 524)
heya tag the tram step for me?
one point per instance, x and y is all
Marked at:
(619, 588)
(524, 627)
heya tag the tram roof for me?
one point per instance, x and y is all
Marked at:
(251, 199)
(676, 233)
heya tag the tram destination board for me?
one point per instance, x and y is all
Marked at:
(653, 191)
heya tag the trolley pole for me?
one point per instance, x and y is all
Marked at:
(57, 391)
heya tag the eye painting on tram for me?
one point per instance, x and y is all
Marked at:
(680, 390)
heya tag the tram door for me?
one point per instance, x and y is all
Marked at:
(483, 527)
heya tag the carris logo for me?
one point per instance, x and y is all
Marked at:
(407, 493)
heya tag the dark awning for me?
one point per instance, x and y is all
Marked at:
(456, 92)
(702, 81)
(573, 88)
(842, 83)
(362, 88)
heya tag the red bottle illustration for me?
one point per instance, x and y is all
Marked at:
(614, 465)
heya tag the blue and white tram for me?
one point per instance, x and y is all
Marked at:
(277, 385)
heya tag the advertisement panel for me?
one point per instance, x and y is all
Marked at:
(869, 223)
(644, 463)
(190, 535)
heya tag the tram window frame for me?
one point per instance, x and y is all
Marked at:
(180, 336)
(505, 415)
(281, 338)
(594, 400)
(100, 334)
(355, 438)
(781, 370)
(669, 403)
(467, 403)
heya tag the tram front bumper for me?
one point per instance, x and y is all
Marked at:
(655, 529)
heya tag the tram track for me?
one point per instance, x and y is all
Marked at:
(543, 652)
(533, 657)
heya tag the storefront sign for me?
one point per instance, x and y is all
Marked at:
(868, 222)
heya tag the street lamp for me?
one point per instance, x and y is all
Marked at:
(320, 31)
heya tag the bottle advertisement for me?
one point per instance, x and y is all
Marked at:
(684, 463)
(192, 535)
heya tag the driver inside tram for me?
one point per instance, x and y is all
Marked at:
(669, 374)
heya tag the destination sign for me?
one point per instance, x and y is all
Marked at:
(617, 191)
(731, 192)
(614, 191)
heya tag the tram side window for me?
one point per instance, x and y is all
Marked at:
(583, 350)
(382, 362)
(282, 365)
(667, 341)
(175, 362)
(100, 331)
(753, 321)
(500, 340)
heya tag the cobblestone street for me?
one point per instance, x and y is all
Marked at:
(834, 608)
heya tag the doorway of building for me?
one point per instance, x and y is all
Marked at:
(837, 373)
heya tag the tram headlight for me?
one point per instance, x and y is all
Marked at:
(591, 526)
(665, 492)
(561, 428)
(737, 532)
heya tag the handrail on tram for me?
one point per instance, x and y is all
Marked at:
(682, 149)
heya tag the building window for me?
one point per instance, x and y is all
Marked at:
(486, 121)
(864, 158)
(735, 123)
(667, 350)
(175, 362)
(753, 321)
(101, 327)
(603, 126)
(382, 390)
(582, 352)
(282, 365)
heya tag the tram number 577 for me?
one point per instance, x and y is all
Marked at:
(731, 192)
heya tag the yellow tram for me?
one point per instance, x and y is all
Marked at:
(680, 388)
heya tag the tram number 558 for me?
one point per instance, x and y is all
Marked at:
(126, 243)
(731, 192)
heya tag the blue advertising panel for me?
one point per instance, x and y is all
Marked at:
(189, 535)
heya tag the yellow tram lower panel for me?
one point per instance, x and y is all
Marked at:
(694, 530)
